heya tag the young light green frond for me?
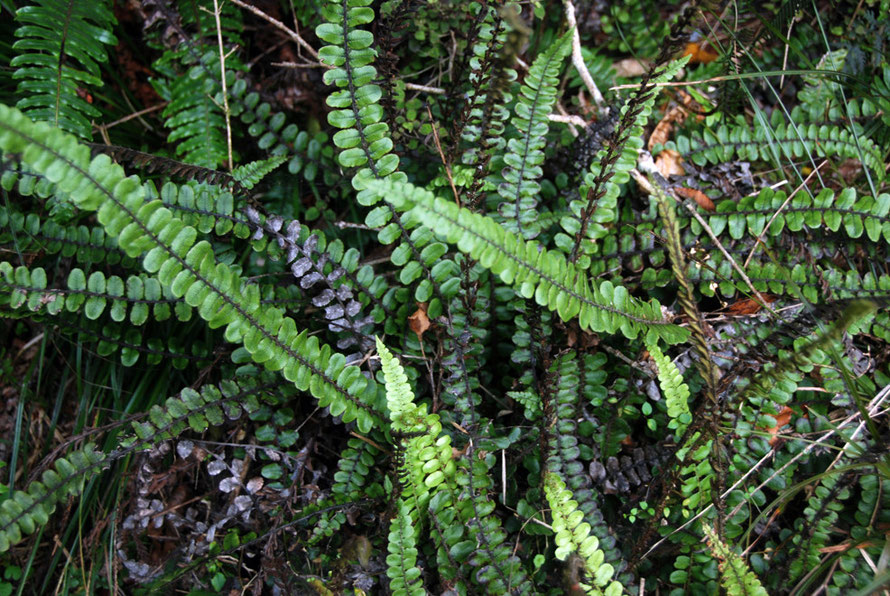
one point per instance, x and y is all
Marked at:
(533, 270)
(250, 174)
(735, 575)
(573, 535)
(399, 397)
(675, 391)
(525, 154)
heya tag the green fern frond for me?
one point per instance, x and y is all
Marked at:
(306, 154)
(531, 269)
(196, 122)
(485, 112)
(363, 139)
(577, 378)
(62, 46)
(250, 174)
(762, 143)
(856, 310)
(350, 484)
(402, 569)
(597, 205)
(735, 575)
(525, 154)
(573, 535)
(93, 295)
(365, 143)
(169, 247)
(198, 410)
(675, 391)
(819, 91)
(22, 512)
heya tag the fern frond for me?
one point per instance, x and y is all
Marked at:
(62, 46)
(93, 294)
(168, 167)
(169, 247)
(525, 155)
(780, 141)
(402, 569)
(363, 138)
(426, 464)
(472, 541)
(735, 575)
(574, 378)
(350, 484)
(531, 269)
(196, 122)
(705, 362)
(306, 154)
(573, 535)
(675, 391)
(22, 512)
(610, 169)
(856, 310)
(198, 410)
(365, 143)
(250, 174)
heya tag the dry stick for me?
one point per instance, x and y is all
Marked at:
(779, 210)
(442, 155)
(160, 106)
(569, 119)
(578, 58)
(225, 91)
(427, 88)
(306, 65)
(647, 186)
(728, 257)
(278, 25)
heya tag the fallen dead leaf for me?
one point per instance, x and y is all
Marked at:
(703, 200)
(700, 53)
(630, 67)
(782, 418)
(668, 163)
(419, 322)
(662, 131)
(748, 306)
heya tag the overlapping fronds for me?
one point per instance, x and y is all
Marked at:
(534, 271)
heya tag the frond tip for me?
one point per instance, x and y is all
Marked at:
(399, 397)
(735, 575)
(574, 535)
(25, 511)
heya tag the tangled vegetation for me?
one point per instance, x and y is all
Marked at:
(397, 297)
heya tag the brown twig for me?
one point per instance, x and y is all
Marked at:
(442, 155)
(278, 25)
